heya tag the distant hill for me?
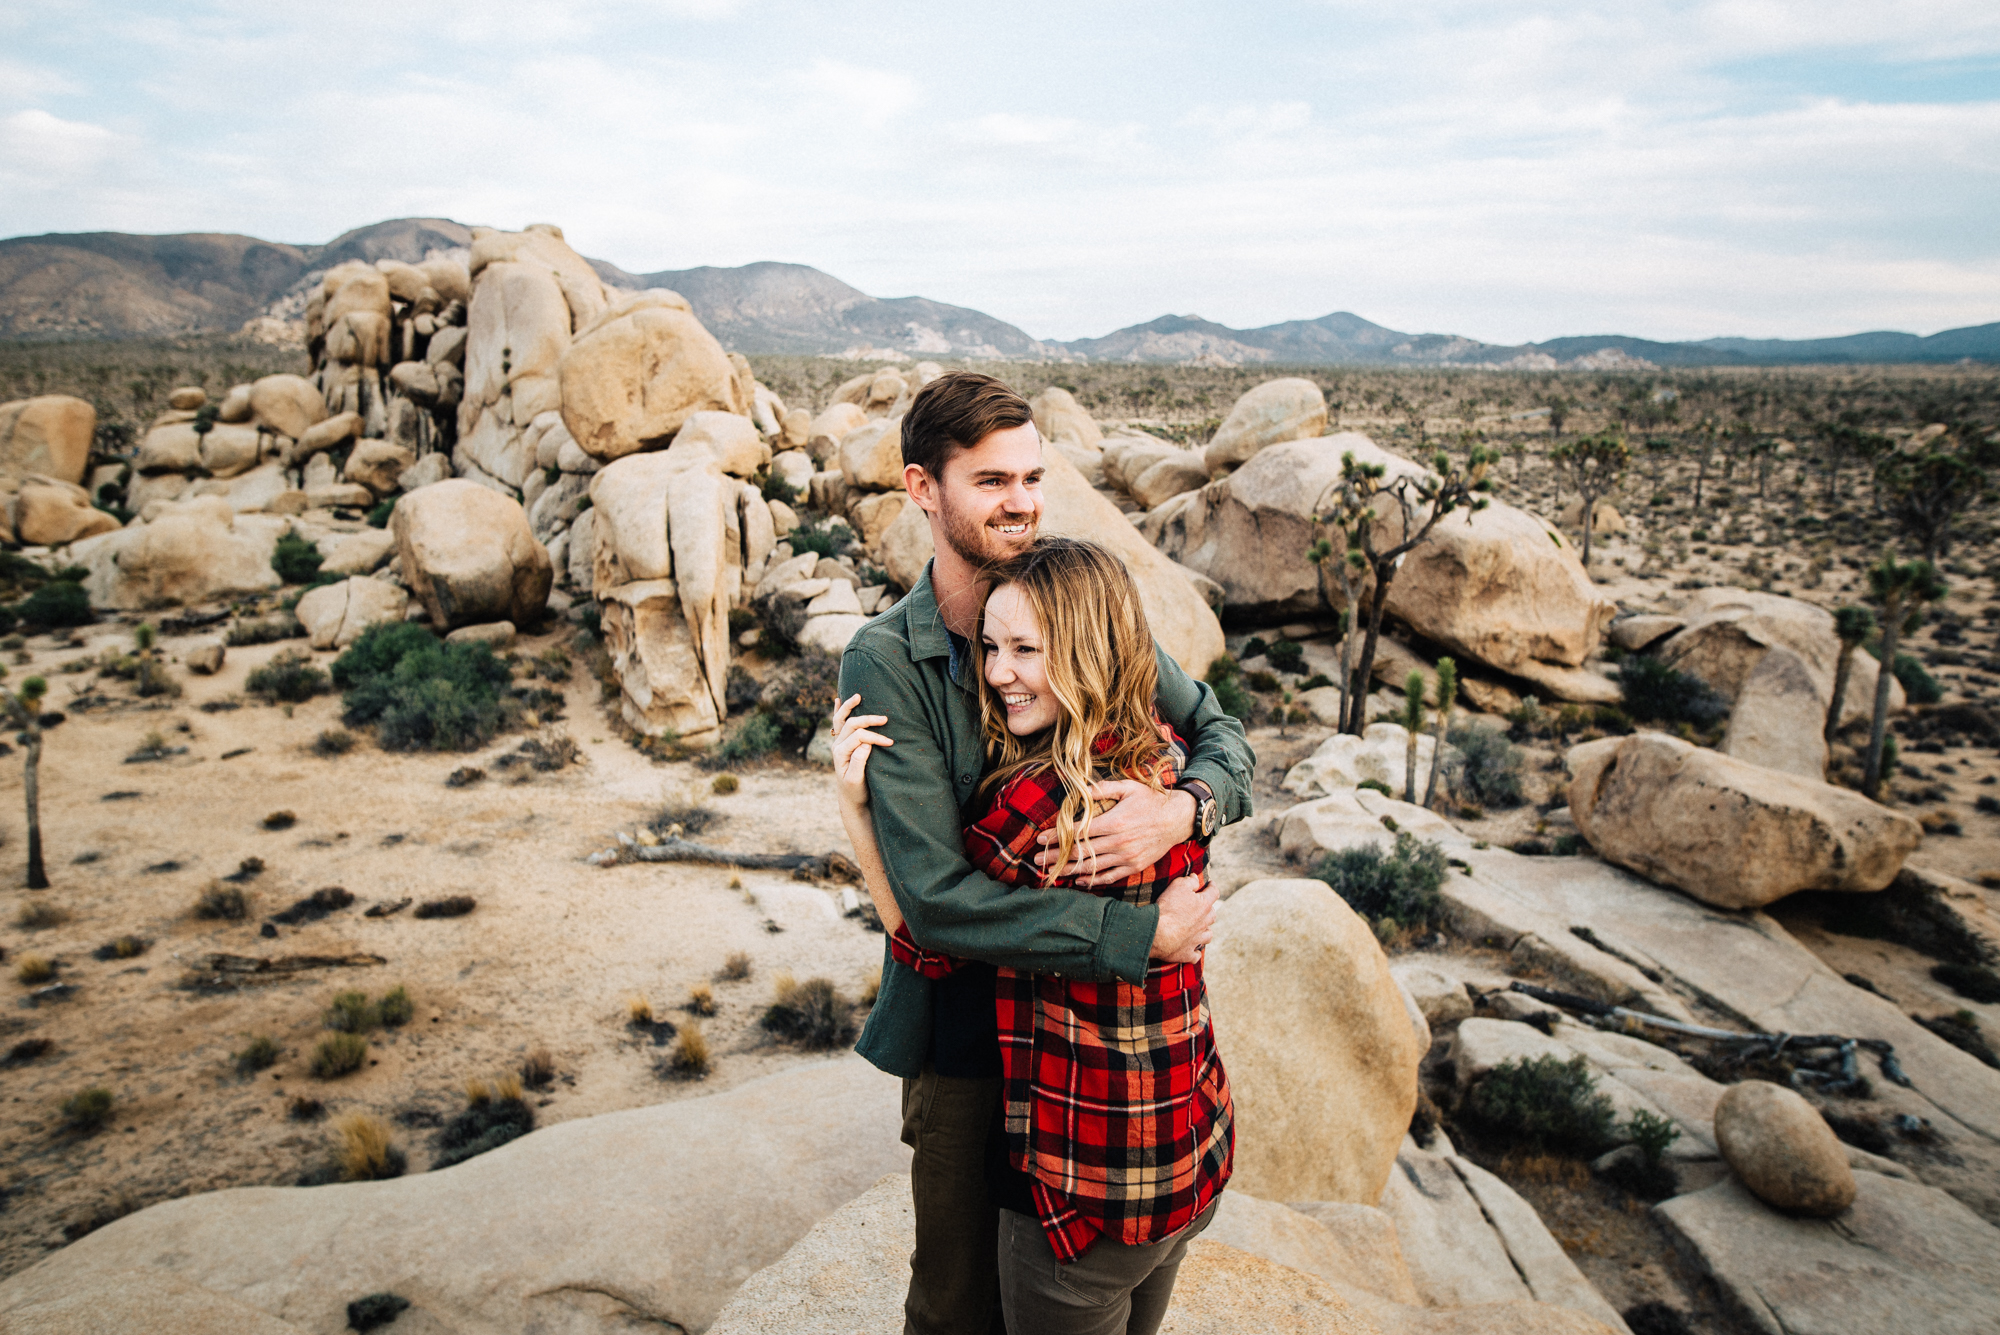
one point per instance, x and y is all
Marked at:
(115, 285)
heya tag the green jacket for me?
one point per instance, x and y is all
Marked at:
(899, 663)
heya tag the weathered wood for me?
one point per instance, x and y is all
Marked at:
(675, 849)
(253, 964)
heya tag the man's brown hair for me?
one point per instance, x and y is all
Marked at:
(955, 412)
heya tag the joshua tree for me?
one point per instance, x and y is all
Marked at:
(1419, 501)
(24, 711)
(1853, 625)
(1344, 517)
(1593, 466)
(1926, 490)
(1900, 589)
(1447, 688)
(1413, 724)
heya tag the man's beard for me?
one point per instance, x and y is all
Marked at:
(976, 543)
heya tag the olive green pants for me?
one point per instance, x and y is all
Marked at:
(954, 1272)
(1112, 1289)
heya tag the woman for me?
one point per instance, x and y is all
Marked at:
(1117, 1114)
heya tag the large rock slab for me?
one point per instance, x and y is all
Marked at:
(1904, 1259)
(1499, 587)
(1728, 631)
(637, 373)
(1380, 753)
(1062, 420)
(1779, 719)
(334, 615)
(573, 1228)
(663, 687)
(1727, 832)
(49, 512)
(469, 557)
(1321, 1056)
(1271, 414)
(194, 551)
(1352, 817)
(49, 434)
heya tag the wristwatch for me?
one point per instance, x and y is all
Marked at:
(1207, 813)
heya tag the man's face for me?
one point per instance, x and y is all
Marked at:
(990, 498)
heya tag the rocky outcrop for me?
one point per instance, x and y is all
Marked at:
(1779, 719)
(49, 435)
(50, 512)
(1498, 587)
(469, 557)
(576, 1227)
(1352, 817)
(1727, 832)
(1308, 1019)
(334, 615)
(1779, 1146)
(638, 372)
(195, 550)
(1271, 414)
(1727, 632)
(1381, 754)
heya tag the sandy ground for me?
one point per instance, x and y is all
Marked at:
(550, 957)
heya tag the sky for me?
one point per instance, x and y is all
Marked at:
(1507, 171)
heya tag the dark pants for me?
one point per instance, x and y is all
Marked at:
(954, 1275)
(1112, 1289)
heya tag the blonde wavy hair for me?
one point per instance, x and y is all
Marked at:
(1098, 652)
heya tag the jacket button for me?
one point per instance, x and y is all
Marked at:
(965, 778)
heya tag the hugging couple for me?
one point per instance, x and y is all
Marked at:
(1030, 786)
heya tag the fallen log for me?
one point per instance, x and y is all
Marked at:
(673, 848)
(283, 964)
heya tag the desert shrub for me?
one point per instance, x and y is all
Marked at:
(395, 1009)
(829, 537)
(1547, 1103)
(682, 818)
(1569, 845)
(377, 1309)
(122, 948)
(538, 1068)
(735, 968)
(740, 689)
(486, 1124)
(304, 1109)
(723, 784)
(1262, 681)
(801, 700)
(33, 970)
(87, 1110)
(1400, 887)
(223, 902)
(689, 1059)
(317, 905)
(38, 914)
(1919, 685)
(338, 1055)
(1962, 1030)
(280, 820)
(1375, 786)
(61, 603)
(779, 621)
(701, 999)
(289, 678)
(1491, 772)
(1235, 701)
(811, 1014)
(1974, 982)
(366, 1155)
(638, 1011)
(755, 737)
(378, 514)
(1658, 693)
(1285, 656)
(267, 631)
(1317, 680)
(351, 1013)
(296, 559)
(421, 693)
(774, 488)
(27, 1050)
(333, 742)
(1221, 668)
(451, 906)
(1646, 1174)
(259, 1054)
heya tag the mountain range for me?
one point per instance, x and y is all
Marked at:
(119, 285)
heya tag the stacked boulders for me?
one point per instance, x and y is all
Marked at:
(44, 450)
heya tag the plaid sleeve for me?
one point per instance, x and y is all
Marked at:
(908, 953)
(1003, 842)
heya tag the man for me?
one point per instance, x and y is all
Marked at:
(972, 461)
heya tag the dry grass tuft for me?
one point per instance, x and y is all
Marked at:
(338, 1055)
(38, 914)
(365, 1152)
(477, 1093)
(34, 970)
(538, 1068)
(701, 999)
(690, 1058)
(736, 968)
(639, 1011)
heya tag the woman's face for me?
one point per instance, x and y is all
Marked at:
(1016, 664)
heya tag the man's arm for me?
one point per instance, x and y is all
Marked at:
(947, 905)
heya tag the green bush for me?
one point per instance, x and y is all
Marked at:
(1661, 694)
(1547, 1103)
(481, 1127)
(87, 1110)
(1648, 1175)
(61, 603)
(1376, 786)
(1491, 772)
(754, 737)
(780, 620)
(1399, 887)
(351, 1013)
(378, 517)
(829, 537)
(1285, 656)
(338, 1055)
(290, 678)
(395, 1009)
(802, 699)
(811, 1014)
(1920, 686)
(1317, 680)
(775, 488)
(259, 1054)
(296, 559)
(424, 694)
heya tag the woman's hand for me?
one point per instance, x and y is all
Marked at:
(852, 740)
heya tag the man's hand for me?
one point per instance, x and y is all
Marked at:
(1130, 837)
(1187, 920)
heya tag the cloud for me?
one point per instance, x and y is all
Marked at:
(33, 142)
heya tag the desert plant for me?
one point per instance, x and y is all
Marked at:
(223, 902)
(23, 710)
(55, 605)
(27, 1050)
(34, 970)
(736, 967)
(1446, 692)
(1286, 656)
(753, 738)
(421, 693)
(351, 1013)
(1919, 686)
(1548, 1103)
(487, 1123)
(260, 1053)
(723, 784)
(289, 678)
(1592, 466)
(1399, 887)
(280, 820)
(296, 559)
(1853, 626)
(87, 1110)
(395, 1009)
(333, 742)
(376, 1309)
(689, 1059)
(338, 1055)
(366, 1153)
(1659, 693)
(639, 1011)
(701, 999)
(538, 1068)
(829, 537)
(812, 1014)
(1901, 589)
(122, 948)
(803, 698)
(38, 914)
(451, 906)
(1412, 719)
(1491, 772)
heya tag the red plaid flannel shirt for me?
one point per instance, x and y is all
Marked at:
(1117, 1105)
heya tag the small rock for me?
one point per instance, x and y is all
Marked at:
(204, 660)
(499, 634)
(1783, 1150)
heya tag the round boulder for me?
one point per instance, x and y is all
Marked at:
(1321, 1054)
(637, 374)
(732, 439)
(50, 512)
(1783, 1150)
(469, 556)
(49, 434)
(1274, 412)
(1062, 420)
(825, 432)
(286, 404)
(187, 398)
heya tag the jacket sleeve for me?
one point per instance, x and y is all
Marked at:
(1219, 752)
(950, 907)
